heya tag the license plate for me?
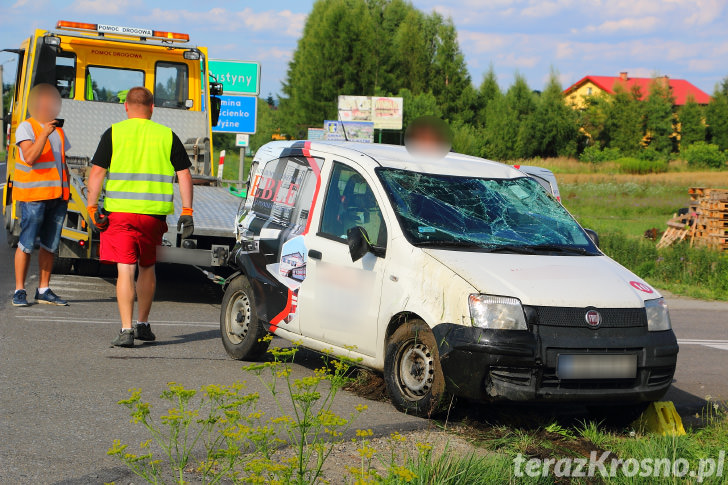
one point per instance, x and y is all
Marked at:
(592, 366)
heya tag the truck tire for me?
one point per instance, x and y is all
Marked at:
(87, 267)
(412, 370)
(62, 265)
(241, 331)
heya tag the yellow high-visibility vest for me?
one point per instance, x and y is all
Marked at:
(141, 174)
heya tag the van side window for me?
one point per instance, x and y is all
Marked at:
(350, 202)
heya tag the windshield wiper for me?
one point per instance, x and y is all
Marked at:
(510, 248)
(454, 244)
(561, 249)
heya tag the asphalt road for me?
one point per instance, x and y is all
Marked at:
(60, 379)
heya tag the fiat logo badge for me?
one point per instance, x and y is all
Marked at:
(593, 318)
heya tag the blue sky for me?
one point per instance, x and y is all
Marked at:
(681, 38)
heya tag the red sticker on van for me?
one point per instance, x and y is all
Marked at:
(641, 286)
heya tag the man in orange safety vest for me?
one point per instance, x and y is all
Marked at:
(41, 188)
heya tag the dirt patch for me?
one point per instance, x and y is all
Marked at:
(369, 385)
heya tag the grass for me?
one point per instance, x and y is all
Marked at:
(621, 208)
(567, 443)
(232, 164)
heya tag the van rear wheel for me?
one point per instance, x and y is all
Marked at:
(241, 331)
(412, 370)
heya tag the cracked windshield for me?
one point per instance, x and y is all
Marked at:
(504, 215)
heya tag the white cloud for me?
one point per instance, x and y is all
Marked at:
(513, 60)
(538, 8)
(703, 65)
(104, 7)
(480, 42)
(279, 21)
(705, 11)
(636, 24)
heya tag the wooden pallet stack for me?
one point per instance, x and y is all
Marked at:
(705, 223)
(710, 227)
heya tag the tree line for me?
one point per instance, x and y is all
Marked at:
(390, 48)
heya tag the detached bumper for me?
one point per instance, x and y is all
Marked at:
(489, 365)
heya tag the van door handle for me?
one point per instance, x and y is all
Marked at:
(313, 254)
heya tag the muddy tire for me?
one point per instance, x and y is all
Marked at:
(239, 326)
(412, 371)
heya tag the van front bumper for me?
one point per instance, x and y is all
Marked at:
(490, 365)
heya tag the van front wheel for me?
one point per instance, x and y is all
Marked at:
(412, 370)
(242, 333)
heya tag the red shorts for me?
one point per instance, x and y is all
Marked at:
(131, 239)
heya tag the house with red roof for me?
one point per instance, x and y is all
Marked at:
(587, 86)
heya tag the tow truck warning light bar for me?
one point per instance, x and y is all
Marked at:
(125, 31)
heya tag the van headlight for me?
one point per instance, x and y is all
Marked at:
(658, 316)
(497, 312)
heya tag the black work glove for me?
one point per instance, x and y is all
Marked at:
(185, 226)
(99, 219)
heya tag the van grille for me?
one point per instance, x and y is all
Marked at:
(575, 317)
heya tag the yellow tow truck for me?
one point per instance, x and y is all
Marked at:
(93, 66)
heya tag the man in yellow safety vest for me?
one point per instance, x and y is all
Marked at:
(140, 158)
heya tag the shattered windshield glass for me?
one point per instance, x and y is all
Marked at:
(494, 215)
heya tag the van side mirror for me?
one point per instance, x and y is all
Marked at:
(358, 241)
(593, 236)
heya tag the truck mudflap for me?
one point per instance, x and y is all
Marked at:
(521, 365)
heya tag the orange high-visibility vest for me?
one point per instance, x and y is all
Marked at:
(41, 181)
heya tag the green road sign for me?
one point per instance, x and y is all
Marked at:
(237, 77)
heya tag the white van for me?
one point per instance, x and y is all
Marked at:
(456, 276)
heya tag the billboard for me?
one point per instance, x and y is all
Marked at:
(315, 134)
(387, 113)
(355, 108)
(384, 112)
(359, 131)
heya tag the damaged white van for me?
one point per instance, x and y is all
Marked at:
(455, 276)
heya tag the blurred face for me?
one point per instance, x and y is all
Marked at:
(45, 103)
(428, 137)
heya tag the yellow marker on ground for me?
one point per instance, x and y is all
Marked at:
(661, 417)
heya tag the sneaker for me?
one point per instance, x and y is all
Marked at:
(143, 331)
(124, 339)
(49, 298)
(20, 298)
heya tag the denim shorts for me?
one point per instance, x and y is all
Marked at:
(41, 224)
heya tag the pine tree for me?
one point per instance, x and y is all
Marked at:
(716, 116)
(522, 103)
(488, 91)
(333, 57)
(624, 120)
(658, 115)
(692, 127)
(450, 81)
(551, 130)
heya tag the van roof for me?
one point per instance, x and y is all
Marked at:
(373, 155)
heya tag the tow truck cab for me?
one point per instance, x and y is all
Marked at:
(93, 66)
